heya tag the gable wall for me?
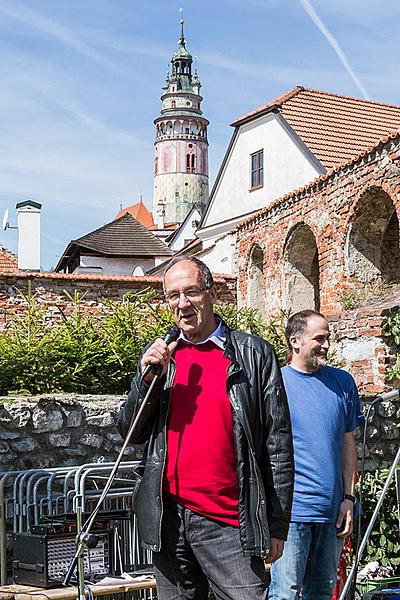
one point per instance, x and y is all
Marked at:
(286, 167)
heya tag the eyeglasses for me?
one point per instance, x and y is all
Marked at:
(190, 294)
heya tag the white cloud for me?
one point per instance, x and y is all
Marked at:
(32, 19)
(334, 43)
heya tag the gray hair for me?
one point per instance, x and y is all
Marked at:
(205, 272)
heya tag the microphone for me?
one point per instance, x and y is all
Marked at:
(385, 396)
(171, 336)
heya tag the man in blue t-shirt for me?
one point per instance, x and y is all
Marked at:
(325, 410)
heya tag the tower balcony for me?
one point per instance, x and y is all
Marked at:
(181, 136)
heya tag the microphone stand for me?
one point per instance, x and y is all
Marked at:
(84, 539)
(348, 592)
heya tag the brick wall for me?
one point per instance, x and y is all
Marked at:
(319, 245)
(51, 291)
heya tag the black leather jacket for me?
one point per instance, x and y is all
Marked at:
(263, 441)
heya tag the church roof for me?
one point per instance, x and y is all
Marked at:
(335, 128)
(139, 212)
(8, 262)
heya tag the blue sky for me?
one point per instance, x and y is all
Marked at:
(81, 84)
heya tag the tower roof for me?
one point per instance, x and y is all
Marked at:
(181, 73)
(181, 52)
(139, 212)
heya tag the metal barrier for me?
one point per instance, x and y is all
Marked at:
(39, 498)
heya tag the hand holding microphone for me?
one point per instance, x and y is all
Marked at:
(156, 359)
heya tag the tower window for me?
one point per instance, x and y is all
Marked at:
(257, 169)
(173, 104)
(190, 163)
(186, 129)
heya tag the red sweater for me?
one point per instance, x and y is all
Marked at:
(200, 471)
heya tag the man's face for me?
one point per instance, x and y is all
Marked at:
(193, 313)
(310, 350)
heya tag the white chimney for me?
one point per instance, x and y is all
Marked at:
(160, 215)
(28, 216)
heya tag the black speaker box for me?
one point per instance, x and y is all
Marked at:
(43, 560)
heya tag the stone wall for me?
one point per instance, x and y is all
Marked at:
(50, 431)
(40, 432)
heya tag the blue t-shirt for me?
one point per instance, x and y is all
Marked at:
(323, 407)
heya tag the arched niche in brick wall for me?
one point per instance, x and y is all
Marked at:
(255, 279)
(373, 250)
(301, 270)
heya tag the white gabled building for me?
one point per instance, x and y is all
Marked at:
(280, 147)
(185, 233)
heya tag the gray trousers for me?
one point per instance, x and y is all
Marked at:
(198, 554)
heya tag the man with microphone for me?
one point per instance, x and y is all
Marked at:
(325, 410)
(214, 499)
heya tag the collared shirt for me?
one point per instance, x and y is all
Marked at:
(217, 336)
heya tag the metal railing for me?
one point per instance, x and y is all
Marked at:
(46, 496)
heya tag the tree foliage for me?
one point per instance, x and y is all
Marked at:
(384, 542)
(391, 329)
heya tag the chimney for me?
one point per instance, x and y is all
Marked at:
(160, 215)
(28, 217)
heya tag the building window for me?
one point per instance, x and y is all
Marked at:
(190, 163)
(257, 169)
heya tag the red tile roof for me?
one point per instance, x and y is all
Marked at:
(8, 262)
(335, 128)
(139, 212)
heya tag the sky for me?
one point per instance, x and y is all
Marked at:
(80, 87)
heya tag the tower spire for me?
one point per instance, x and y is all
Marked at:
(182, 40)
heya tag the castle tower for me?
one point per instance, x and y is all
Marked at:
(181, 146)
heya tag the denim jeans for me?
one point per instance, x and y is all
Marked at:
(309, 563)
(198, 553)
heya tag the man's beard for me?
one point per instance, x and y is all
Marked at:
(316, 361)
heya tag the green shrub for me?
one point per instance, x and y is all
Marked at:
(384, 541)
(391, 329)
(96, 352)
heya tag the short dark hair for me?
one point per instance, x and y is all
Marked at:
(205, 272)
(297, 323)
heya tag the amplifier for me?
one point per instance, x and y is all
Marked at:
(43, 559)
